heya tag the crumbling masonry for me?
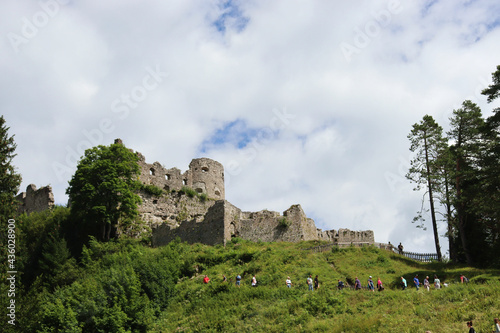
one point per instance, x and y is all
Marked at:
(207, 217)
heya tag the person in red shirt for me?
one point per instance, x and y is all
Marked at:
(206, 279)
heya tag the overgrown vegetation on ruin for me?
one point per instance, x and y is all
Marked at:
(152, 190)
(125, 285)
(193, 194)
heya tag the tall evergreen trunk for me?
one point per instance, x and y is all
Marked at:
(431, 202)
(461, 218)
(451, 242)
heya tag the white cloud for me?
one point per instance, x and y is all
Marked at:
(342, 150)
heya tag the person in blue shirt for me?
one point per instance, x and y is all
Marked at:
(370, 284)
(238, 280)
(416, 281)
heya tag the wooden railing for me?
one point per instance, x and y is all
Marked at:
(422, 257)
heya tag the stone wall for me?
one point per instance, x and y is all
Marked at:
(196, 219)
(209, 231)
(34, 200)
(204, 176)
(269, 226)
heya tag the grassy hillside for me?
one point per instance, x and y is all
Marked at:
(271, 307)
(126, 286)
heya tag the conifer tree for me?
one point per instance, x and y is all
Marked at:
(10, 180)
(428, 145)
(465, 133)
(9, 186)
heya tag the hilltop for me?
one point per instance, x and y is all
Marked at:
(125, 285)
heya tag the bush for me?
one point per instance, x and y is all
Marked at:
(152, 189)
(188, 191)
(284, 223)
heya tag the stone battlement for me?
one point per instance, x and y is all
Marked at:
(209, 219)
(34, 200)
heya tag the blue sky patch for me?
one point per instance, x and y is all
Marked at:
(231, 16)
(236, 133)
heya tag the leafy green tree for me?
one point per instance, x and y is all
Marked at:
(428, 145)
(102, 192)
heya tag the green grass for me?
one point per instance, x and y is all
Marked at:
(271, 307)
(125, 286)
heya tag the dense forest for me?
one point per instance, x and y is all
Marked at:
(66, 269)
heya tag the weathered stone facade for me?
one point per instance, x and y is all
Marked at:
(204, 176)
(208, 219)
(224, 221)
(34, 200)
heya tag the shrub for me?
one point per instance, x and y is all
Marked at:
(152, 189)
(203, 197)
(284, 223)
(188, 191)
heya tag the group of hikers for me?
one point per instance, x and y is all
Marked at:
(313, 284)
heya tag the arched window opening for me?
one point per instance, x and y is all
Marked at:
(204, 169)
(168, 176)
(152, 171)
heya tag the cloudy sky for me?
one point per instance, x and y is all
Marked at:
(305, 102)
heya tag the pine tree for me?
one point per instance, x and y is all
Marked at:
(465, 133)
(9, 186)
(428, 145)
(9, 179)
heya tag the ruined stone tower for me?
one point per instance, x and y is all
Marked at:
(204, 176)
(207, 176)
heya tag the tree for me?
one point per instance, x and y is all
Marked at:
(9, 186)
(9, 179)
(489, 199)
(493, 90)
(466, 125)
(102, 192)
(428, 145)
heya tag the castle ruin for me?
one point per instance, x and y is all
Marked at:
(206, 216)
(34, 200)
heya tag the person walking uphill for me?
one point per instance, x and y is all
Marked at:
(316, 283)
(471, 329)
(371, 287)
(288, 282)
(206, 279)
(426, 283)
(416, 281)
(254, 281)
(403, 283)
(497, 325)
(357, 284)
(310, 282)
(380, 287)
(238, 280)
